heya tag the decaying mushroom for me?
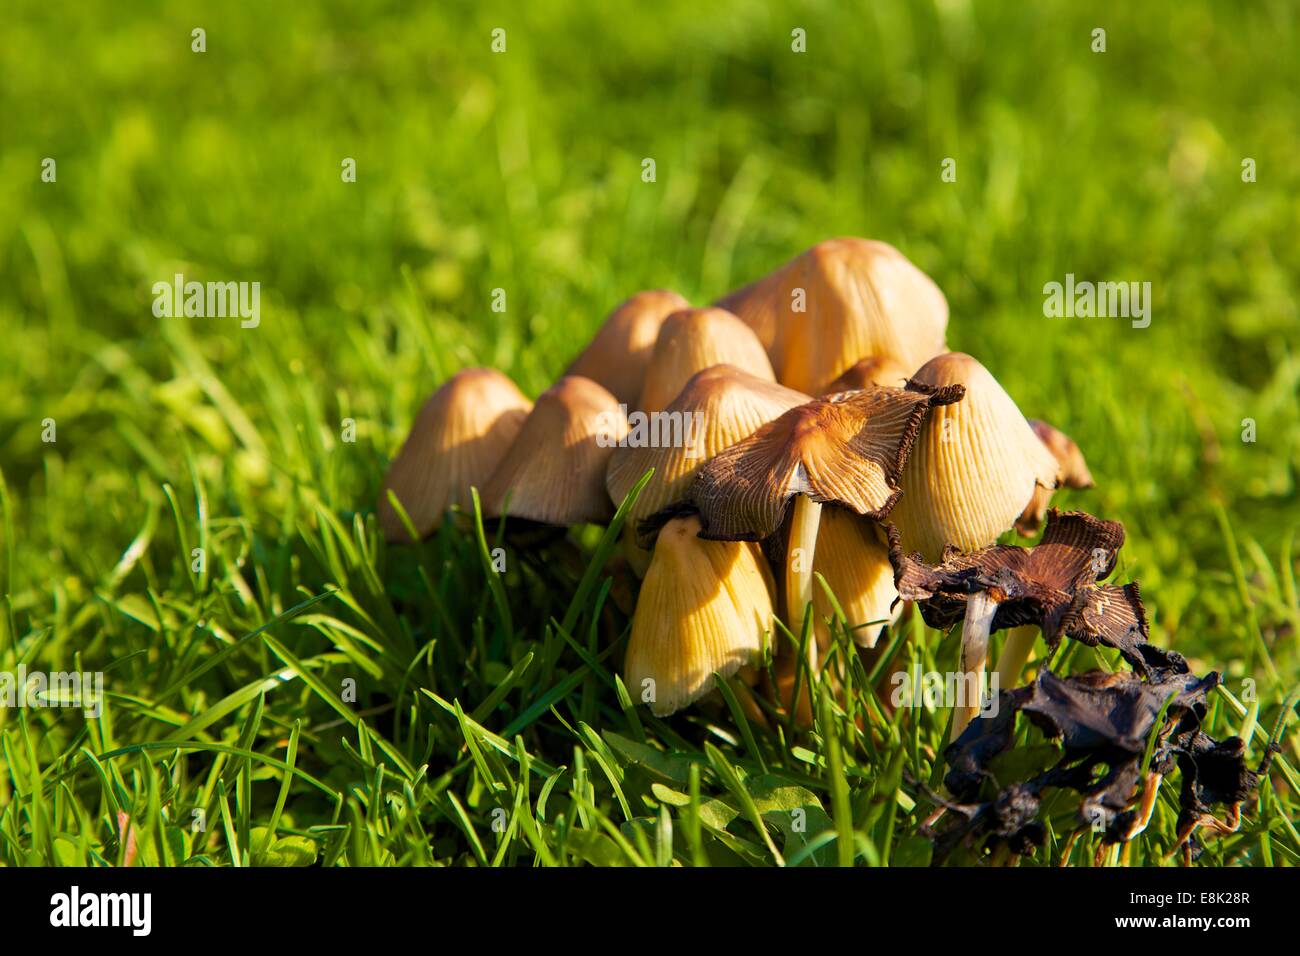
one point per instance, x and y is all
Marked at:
(695, 339)
(1104, 722)
(718, 407)
(847, 449)
(841, 300)
(459, 437)
(618, 354)
(1052, 585)
(1072, 472)
(975, 466)
(705, 608)
(554, 472)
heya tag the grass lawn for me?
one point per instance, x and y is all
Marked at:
(295, 690)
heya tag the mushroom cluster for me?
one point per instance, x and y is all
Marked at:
(809, 455)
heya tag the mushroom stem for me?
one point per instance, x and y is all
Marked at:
(1020, 641)
(799, 573)
(980, 608)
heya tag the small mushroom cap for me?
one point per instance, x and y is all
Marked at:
(858, 297)
(554, 472)
(854, 561)
(877, 370)
(459, 437)
(619, 352)
(975, 466)
(718, 407)
(705, 607)
(695, 339)
(1072, 472)
(847, 449)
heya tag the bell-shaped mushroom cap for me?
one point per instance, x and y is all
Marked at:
(841, 300)
(854, 561)
(1072, 472)
(718, 407)
(847, 449)
(695, 339)
(554, 472)
(705, 607)
(460, 435)
(619, 352)
(975, 466)
(878, 370)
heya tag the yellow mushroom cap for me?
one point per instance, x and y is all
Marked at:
(975, 466)
(841, 300)
(718, 407)
(619, 352)
(876, 370)
(554, 472)
(459, 437)
(854, 560)
(1072, 472)
(705, 607)
(695, 339)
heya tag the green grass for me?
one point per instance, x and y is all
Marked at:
(483, 700)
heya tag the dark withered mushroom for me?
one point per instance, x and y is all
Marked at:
(847, 450)
(1103, 722)
(1052, 585)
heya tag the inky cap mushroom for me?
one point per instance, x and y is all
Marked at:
(848, 449)
(1072, 472)
(459, 437)
(718, 407)
(1052, 585)
(841, 300)
(705, 608)
(695, 339)
(975, 466)
(619, 352)
(554, 472)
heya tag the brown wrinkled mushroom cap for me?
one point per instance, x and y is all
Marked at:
(877, 370)
(705, 607)
(459, 436)
(619, 352)
(695, 339)
(975, 466)
(860, 298)
(854, 562)
(718, 407)
(1072, 472)
(1051, 585)
(847, 449)
(554, 472)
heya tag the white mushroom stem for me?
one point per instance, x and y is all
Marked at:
(980, 608)
(799, 567)
(1016, 650)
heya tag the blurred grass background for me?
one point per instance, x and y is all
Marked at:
(522, 171)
